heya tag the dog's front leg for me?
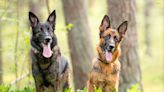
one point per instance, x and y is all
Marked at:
(56, 84)
(39, 88)
(90, 86)
(38, 84)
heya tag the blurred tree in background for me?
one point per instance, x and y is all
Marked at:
(16, 39)
(35, 6)
(78, 39)
(1, 63)
(148, 33)
(120, 10)
(0, 58)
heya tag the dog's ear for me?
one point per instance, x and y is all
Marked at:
(33, 19)
(52, 19)
(122, 28)
(105, 24)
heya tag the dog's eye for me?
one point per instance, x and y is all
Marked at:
(107, 37)
(115, 39)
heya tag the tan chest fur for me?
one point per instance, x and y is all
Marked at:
(105, 74)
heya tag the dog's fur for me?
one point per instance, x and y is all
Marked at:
(105, 73)
(50, 72)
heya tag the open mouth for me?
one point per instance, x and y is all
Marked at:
(47, 52)
(108, 56)
(109, 49)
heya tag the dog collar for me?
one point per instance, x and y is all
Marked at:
(102, 61)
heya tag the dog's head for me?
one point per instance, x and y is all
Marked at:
(43, 38)
(110, 38)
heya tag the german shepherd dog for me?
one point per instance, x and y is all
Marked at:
(49, 68)
(105, 67)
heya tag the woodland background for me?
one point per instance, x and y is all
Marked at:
(77, 30)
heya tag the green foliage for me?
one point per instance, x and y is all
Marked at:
(28, 89)
(98, 90)
(84, 90)
(69, 26)
(114, 90)
(67, 90)
(6, 88)
(134, 88)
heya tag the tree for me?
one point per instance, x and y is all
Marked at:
(1, 74)
(35, 6)
(78, 39)
(5, 8)
(16, 41)
(120, 10)
(148, 35)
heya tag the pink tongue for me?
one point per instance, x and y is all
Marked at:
(47, 51)
(108, 56)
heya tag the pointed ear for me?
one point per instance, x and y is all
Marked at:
(52, 19)
(33, 19)
(105, 24)
(122, 28)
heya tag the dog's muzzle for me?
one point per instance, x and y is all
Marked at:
(110, 47)
(47, 39)
(47, 52)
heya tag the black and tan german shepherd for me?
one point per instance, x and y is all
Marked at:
(49, 67)
(106, 66)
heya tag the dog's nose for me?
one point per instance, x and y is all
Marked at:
(111, 47)
(47, 39)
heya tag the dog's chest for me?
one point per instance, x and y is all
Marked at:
(49, 68)
(47, 72)
(106, 74)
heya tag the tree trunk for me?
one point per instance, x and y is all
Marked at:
(78, 39)
(148, 36)
(120, 10)
(16, 41)
(1, 64)
(35, 7)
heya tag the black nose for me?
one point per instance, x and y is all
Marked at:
(111, 47)
(47, 39)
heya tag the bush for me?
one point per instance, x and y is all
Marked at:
(6, 88)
